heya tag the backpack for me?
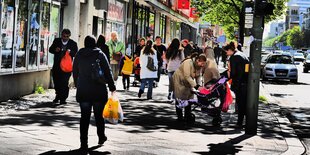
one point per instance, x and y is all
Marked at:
(66, 62)
(128, 66)
(97, 73)
(150, 64)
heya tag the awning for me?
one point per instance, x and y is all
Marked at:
(169, 12)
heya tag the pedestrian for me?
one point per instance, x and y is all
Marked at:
(147, 75)
(90, 93)
(187, 48)
(174, 56)
(160, 49)
(208, 51)
(149, 37)
(217, 53)
(103, 47)
(239, 76)
(224, 58)
(210, 71)
(117, 50)
(184, 83)
(139, 47)
(61, 78)
(126, 64)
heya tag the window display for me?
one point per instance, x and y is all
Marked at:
(44, 34)
(7, 26)
(34, 33)
(21, 36)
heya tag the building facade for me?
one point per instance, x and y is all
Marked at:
(294, 13)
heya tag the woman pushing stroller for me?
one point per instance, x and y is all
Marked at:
(184, 82)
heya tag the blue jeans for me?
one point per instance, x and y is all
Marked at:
(170, 74)
(85, 119)
(150, 82)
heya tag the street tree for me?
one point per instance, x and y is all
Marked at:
(230, 14)
(295, 38)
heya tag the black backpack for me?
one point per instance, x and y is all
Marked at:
(97, 73)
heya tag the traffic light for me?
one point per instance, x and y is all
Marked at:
(262, 8)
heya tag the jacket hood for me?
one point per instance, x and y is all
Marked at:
(87, 52)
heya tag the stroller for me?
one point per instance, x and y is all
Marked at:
(210, 100)
(137, 69)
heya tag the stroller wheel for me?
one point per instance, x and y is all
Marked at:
(217, 121)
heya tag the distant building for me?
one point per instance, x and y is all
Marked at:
(295, 11)
(306, 20)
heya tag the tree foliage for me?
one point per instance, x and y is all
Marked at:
(229, 13)
(295, 38)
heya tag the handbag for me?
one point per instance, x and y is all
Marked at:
(116, 57)
(97, 73)
(150, 64)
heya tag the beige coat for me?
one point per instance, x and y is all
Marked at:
(210, 71)
(184, 78)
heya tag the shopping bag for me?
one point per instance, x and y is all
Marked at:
(66, 62)
(128, 66)
(228, 99)
(112, 111)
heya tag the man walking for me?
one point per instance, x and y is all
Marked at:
(117, 49)
(61, 78)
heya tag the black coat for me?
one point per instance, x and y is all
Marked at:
(58, 55)
(105, 50)
(238, 75)
(89, 90)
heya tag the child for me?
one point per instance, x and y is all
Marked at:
(127, 66)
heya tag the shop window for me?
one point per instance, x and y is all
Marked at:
(7, 25)
(162, 27)
(151, 24)
(34, 34)
(54, 30)
(44, 34)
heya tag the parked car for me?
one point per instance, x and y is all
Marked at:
(299, 56)
(280, 67)
(307, 64)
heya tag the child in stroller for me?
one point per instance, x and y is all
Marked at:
(210, 99)
(137, 69)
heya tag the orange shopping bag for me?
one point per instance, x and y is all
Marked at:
(112, 111)
(66, 62)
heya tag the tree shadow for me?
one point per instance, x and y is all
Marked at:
(90, 151)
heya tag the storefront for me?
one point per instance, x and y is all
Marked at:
(116, 19)
(27, 29)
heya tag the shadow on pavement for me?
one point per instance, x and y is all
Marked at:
(282, 82)
(91, 151)
(228, 147)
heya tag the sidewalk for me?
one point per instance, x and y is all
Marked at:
(34, 125)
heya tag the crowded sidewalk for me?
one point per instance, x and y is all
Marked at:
(34, 125)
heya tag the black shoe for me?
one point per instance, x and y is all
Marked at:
(84, 148)
(63, 102)
(139, 94)
(149, 98)
(102, 140)
(55, 100)
(169, 95)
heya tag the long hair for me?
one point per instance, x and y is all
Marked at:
(148, 48)
(230, 46)
(90, 42)
(101, 41)
(173, 49)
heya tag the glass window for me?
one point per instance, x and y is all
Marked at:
(44, 34)
(34, 33)
(21, 35)
(151, 24)
(7, 26)
(54, 30)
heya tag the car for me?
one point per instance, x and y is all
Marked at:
(287, 53)
(299, 56)
(280, 66)
(306, 64)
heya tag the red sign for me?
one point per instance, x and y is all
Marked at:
(193, 13)
(183, 4)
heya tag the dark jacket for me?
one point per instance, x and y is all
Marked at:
(89, 90)
(188, 49)
(138, 50)
(105, 50)
(58, 55)
(160, 51)
(237, 66)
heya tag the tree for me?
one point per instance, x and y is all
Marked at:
(295, 38)
(230, 13)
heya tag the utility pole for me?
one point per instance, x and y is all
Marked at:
(261, 8)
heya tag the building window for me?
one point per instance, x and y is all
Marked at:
(7, 25)
(34, 34)
(44, 34)
(162, 27)
(21, 36)
(54, 30)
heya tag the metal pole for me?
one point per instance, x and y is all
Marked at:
(254, 76)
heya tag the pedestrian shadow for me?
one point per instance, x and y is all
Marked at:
(91, 151)
(229, 147)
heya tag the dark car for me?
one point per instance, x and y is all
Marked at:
(307, 64)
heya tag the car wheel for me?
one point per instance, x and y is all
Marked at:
(294, 80)
(305, 70)
(264, 78)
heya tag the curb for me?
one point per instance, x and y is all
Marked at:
(294, 145)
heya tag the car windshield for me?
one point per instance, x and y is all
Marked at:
(280, 59)
(308, 57)
(298, 54)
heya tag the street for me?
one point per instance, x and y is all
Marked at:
(294, 102)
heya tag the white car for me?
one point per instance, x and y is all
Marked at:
(299, 57)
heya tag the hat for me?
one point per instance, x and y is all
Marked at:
(185, 40)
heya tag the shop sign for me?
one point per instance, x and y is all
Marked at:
(183, 4)
(116, 11)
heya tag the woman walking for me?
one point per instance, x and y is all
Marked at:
(174, 57)
(90, 93)
(148, 76)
